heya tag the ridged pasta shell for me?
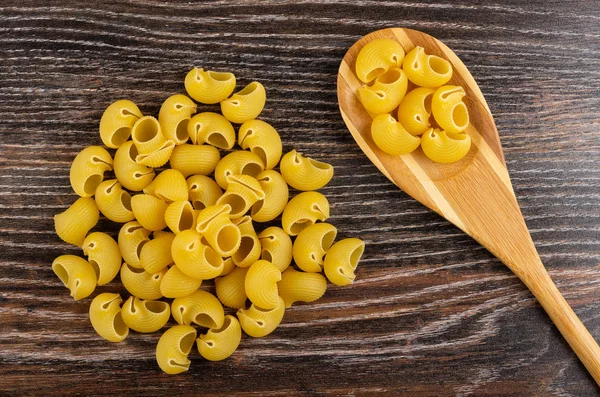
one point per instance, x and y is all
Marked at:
(415, 110)
(104, 255)
(304, 173)
(263, 140)
(385, 93)
(174, 116)
(242, 192)
(246, 104)
(261, 284)
(75, 222)
(211, 128)
(145, 315)
(258, 322)
(249, 250)
(173, 348)
(76, 274)
(443, 147)
(276, 247)
(87, 170)
(449, 110)
(195, 259)
(140, 283)
(180, 216)
(155, 254)
(218, 230)
(176, 284)
(304, 210)
(276, 196)
(209, 87)
(116, 122)
(114, 202)
(391, 137)
(230, 288)
(157, 158)
(105, 316)
(169, 186)
(147, 135)
(298, 286)
(131, 175)
(194, 159)
(131, 240)
(149, 211)
(203, 191)
(228, 266)
(311, 245)
(200, 308)
(240, 162)
(341, 260)
(377, 57)
(218, 344)
(426, 70)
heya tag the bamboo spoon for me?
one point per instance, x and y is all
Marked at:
(475, 193)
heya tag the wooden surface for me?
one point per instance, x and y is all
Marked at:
(431, 313)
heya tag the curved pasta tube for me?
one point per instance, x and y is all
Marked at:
(377, 57)
(211, 128)
(174, 116)
(304, 210)
(155, 255)
(104, 255)
(304, 173)
(415, 109)
(246, 104)
(249, 250)
(173, 348)
(449, 110)
(341, 260)
(76, 274)
(228, 266)
(241, 194)
(145, 315)
(311, 245)
(263, 140)
(169, 186)
(105, 316)
(298, 286)
(140, 283)
(209, 87)
(276, 247)
(180, 216)
(131, 240)
(87, 170)
(240, 162)
(116, 122)
(176, 284)
(391, 137)
(385, 93)
(426, 70)
(131, 175)
(114, 202)
(218, 344)
(75, 222)
(194, 159)
(200, 308)
(443, 147)
(261, 284)
(153, 148)
(195, 259)
(203, 191)
(230, 288)
(218, 230)
(149, 211)
(276, 196)
(258, 322)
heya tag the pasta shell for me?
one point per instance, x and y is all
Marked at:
(385, 93)
(298, 286)
(155, 254)
(304, 173)
(426, 70)
(311, 245)
(443, 147)
(76, 274)
(203, 191)
(230, 289)
(391, 137)
(141, 283)
(246, 104)
(200, 308)
(176, 284)
(304, 210)
(104, 255)
(144, 315)
(158, 158)
(195, 259)
(249, 250)
(218, 344)
(276, 196)
(377, 57)
(180, 216)
(75, 222)
(116, 122)
(132, 238)
(415, 109)
(258, 322)
(105, 316)
(131, 175)
(149, 211)
(263, 140)
(209, 87)
(218, 230)
(169, 186)
(114, 202)
(341, 260)
(87, 170)
(228, 266)
(147, 135)
(240, 162)
(194, 159)
(261, 284)
(242, 192)
(449, 110)
(174, 116)
(173, 348)
(276, 247)
(211, 128)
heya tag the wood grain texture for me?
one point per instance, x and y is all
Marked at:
(431, 313)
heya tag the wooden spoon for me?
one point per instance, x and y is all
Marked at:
(475, 193)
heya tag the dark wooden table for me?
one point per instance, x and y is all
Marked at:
(431, 314)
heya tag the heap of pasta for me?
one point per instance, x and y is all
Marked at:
(182, 227)
(387, 74)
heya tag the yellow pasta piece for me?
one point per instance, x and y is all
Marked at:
(246, 104)
(241, 194)
(131, 240)
(385, 93)
(75, 222)
(87, 170)
(211, 128)
(298, 286)
(304, 173)
(157, 158)
(276, 247)
(218, 230)
(149, 211)
(200, 308)
(153, 148)
(444, 147)
(114, 202)
(176, 284)
(449, 110)
(304, 210)
(377, 57)
(145, 315)
(261, 284)
(276, 196)
(249, 250)
(341, 260)
(105, 316)
(140, 283)
(228, 266)
(391, 137)
(116, 122)
(194, 159)
(209, 87)
(415, 109)
(76, 274)
(218, 344)
(195, 259)
(104, 255)
(263, 140)
(174, 116)
(131, 175)
(311, 245)
(173, 348)
(180, 216)
(203, 191)
(169, 186)
(230, 288)
(155, 255)
(240, 162)
(258, 322)
(426, 70)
